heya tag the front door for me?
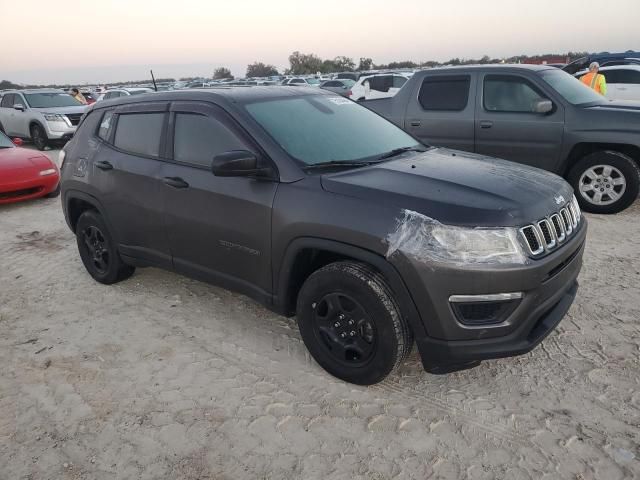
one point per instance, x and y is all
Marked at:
(219, 228)
(507, 125)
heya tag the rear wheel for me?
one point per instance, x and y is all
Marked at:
(605, 182)
(351, 323)
(98, 251)
(39, 137)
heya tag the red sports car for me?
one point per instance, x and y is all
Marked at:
(25, 174)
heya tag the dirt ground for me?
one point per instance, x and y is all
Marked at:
(165, 377)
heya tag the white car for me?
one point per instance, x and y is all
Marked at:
(308, 81)
(623, 81)
(377, 86)
(123, 92)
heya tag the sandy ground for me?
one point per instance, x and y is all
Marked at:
(164, 377)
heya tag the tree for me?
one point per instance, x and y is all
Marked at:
(222, 73)
(259, 69)
(303, 63)
(343, 64)
(365, 64)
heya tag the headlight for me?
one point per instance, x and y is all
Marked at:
(54, 117)
(427, 239)
(48, 171)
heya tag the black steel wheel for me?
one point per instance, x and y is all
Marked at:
(97, 250)
(351, 324)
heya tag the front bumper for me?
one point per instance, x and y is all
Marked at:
(25, 190)
(548, 285)
(59, 131)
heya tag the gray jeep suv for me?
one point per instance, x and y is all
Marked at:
(317, 207)
(43, 115)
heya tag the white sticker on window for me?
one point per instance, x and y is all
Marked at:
(340, 101)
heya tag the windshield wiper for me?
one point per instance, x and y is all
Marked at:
(336, 163)
(398, 151)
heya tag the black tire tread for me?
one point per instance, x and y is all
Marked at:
(377, 283)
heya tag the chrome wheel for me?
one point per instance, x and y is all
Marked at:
(602, 185)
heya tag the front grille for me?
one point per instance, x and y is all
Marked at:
(74, 118)
(551, 232)
(19, 193)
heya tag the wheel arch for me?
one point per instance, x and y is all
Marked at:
(305, 255)
(582, 149)
(76, 203)
(33, 123)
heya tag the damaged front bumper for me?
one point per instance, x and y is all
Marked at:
(537, 295)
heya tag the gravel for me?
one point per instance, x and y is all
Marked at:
(161, 377)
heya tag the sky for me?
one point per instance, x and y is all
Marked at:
(117, 40)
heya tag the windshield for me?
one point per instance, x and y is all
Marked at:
(323, 128)
(52, 99)
(5, 142)
(572, 89)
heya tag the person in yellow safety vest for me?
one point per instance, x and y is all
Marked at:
(75, 93)
(595, 80)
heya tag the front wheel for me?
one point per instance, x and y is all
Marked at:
(605, 182)
(39, 137)
(98, 250)
(351, 324)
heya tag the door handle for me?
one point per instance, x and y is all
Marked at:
(104, 165)
(175, 182)
(415, 123)
(486, 124)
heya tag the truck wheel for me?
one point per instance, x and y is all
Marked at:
(98, 250)
(39, 137)
(605, 182)
(351, 323)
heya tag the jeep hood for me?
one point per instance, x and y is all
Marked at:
(456, 188)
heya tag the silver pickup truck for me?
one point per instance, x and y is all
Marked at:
(536, 115)
(44, 116)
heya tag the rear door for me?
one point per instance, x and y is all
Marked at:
(126, 173)
(20, 120)
(441, 110)
(219, 228)
(507, 126)
(622, 83)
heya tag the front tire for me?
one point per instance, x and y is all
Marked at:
(351, 324)
(39, 137)
(98, 250)
(605, 182)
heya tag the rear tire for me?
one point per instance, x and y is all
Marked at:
(351, 324)
(39, 137)
(98, 250)
(605, 181)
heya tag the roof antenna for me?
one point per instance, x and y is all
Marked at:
(155, 87)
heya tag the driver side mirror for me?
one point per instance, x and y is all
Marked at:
(237, 163)
(543, 106)
(19, 106)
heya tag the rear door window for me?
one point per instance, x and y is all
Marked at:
(7, 100)
(398, 81)
(139, 133)
(199, 138)
(622, 76)
(445, 92)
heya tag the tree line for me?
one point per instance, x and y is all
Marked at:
(310, 64)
